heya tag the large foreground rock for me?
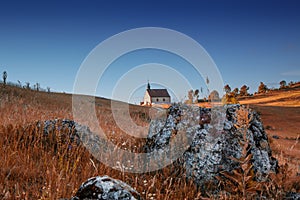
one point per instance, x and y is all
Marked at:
(106, 188)
(214, 138)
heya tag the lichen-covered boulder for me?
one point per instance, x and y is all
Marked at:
(214, 138)
(292, 196)
(70, 132)
(106, 188)
(66, 128)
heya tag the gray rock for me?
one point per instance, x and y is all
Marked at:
(71, 132)
(293, 196)
(213, 138)
(106, 188)
(65, 127)
(96, 187)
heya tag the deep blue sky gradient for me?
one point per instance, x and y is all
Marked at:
(250, 41)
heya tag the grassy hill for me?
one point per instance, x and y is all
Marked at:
(289, 97)
(37, 172)
(280, 113)
(22, 106)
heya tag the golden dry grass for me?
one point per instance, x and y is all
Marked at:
(280, 113)
(284, 98)
(33, 169)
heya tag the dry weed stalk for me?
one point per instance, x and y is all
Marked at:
(240, 181)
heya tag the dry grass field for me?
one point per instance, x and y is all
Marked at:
(31, 169)
(280, 113)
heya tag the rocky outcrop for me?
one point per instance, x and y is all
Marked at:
(68, 129)
(214, 138)
(71, 132)
(206, 142)
(292, 196)
(106, 188)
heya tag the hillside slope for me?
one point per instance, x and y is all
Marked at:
(44, 171)
(280, 113)
(22, 106)
(285, 98)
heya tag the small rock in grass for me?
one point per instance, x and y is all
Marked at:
(105, 187)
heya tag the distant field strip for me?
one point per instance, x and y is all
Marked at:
(288, 99)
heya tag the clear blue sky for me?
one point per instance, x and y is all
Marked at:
(250, 41)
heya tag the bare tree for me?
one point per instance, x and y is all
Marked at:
(282, 84)
(231, 96)
(227, 89)
(196, 96)
(4, 77)
(190, 96)
(193, 96)
(244, 91)
(27, 85)
(291, 83)
(235, 91)
(262, 88)
(37, 87)
(48, 89)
